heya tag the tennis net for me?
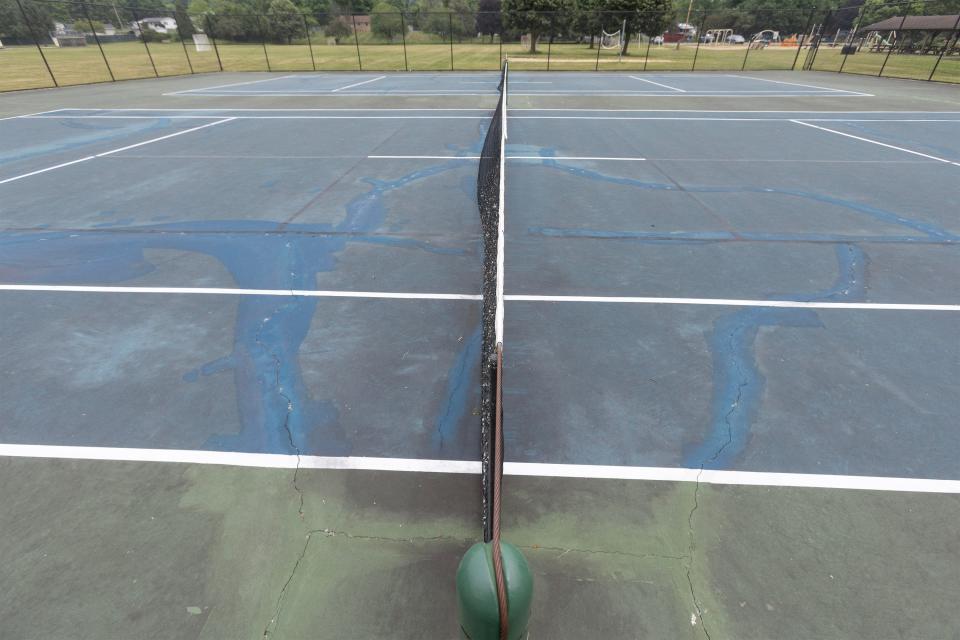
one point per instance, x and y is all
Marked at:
(490, 189)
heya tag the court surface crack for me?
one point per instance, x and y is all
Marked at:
(698, 610)
(275, 620)
(286, 428)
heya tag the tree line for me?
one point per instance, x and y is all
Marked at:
(286, 20)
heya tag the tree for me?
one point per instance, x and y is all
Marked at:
(385, 20)
(13, 26)
(184, 24)
(285, 21)
(535, 17)
(338, 29)
(641, 16)
(488, 19)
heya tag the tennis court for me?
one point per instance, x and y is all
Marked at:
(241, 344)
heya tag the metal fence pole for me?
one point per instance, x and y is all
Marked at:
(890, 50)
(183, 42)
(696, 52)
(745, 56)
(550, 41)
(599, 43)
(450, 20)
(646, 57)
(213, 39)
(500, 43)
(95, 37)
(803, 36)
(850, 39)
(306, 30)
(403, 35)
(136, 19)
(946, 47)
(263, 41)
(815, 43)
(356, 40)
(33, 35)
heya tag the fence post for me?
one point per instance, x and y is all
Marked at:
(946, 47)
(180, 33)
(745, 56)
(450, 20)
(500, 42)
(403, 35)
(356, 40)
(890, 50)
(646, 57)
(33, 35)
(263, 41)
(803, 36)
(815, 43)
(550, 41)
(306, 29)
(95, 37)
(599, 47)
(136, 19)
(696, 51)
(213, 39)
(850, 38)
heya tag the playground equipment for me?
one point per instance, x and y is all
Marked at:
(763, 38)
(717, 36)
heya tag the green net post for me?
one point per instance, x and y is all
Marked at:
(477, 592)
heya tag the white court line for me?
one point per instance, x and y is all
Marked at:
(665, 86)
(357, 84)
(31, 115)
(507, 158)
(424, 157)
(795, 84)
(224, 291)
(311, 293)
(237, 84)
(790, 111)
(402, 94)
(477, 117)
(201, 117)
(733, 302)
(530, 469)
(573, 158)
(311, 109)
(113, 151)
(876, 142)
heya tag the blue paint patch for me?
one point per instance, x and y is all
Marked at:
(448, 438)
(881, 215)
(737, 381)
(277, 412)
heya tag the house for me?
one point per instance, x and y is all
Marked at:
(361, 23)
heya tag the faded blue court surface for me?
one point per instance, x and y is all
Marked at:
(521, 84)
(699, 301)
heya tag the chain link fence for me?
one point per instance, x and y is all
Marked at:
(49, 43)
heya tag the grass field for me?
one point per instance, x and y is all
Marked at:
(21, 67)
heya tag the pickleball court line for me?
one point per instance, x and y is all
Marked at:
(113, 151)
(530, 469)
(311, 293)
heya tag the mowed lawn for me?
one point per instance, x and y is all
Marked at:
(21, 67)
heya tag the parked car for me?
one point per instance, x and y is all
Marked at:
(735, 39)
